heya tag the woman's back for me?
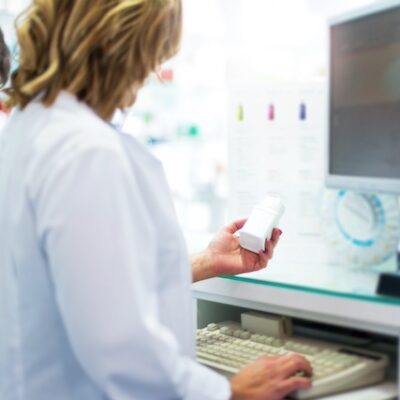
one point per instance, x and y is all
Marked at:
(34, 348)
(46, 273)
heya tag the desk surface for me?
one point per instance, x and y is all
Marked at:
(341, 281)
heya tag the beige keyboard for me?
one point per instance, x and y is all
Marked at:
(226, 347)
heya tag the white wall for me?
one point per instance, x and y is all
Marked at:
(13, 6)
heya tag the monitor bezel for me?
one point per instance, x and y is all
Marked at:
(357, 183)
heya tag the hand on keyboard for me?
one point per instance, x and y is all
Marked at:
(271, 378)
(228, 348)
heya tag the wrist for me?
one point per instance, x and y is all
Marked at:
(202, 266)
(236, 390)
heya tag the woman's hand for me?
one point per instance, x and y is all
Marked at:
(224, 256)
(271, 378)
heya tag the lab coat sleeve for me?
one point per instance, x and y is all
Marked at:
(99, 243)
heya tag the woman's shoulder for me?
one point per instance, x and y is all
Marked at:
(68, 126)
(58, 136)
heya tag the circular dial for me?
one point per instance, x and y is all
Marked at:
(364, 228)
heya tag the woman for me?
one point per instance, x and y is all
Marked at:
(95, 281)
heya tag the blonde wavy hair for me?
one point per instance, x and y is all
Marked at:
(95, 49)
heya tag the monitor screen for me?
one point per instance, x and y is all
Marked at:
(364, 103)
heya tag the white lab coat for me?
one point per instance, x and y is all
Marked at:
(95, 296)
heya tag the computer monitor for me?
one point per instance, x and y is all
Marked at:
(363, 143)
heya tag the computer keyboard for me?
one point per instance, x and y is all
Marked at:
(227, 347)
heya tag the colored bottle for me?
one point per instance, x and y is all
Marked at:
(302, 112)
(240, 113)
(271, 112)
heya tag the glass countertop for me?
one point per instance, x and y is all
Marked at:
(332, 280)
(344, 281)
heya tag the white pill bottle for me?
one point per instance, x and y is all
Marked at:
(262, 220)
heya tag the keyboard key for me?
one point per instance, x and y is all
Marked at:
(212, 327)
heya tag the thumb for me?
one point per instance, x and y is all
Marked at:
(235, 226)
